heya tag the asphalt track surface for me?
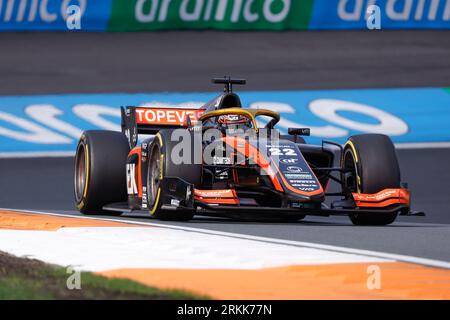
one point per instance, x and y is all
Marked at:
(185, 61)
(32, 63)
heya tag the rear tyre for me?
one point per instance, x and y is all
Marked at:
(373, 166)
(100, 176)
(161, 165)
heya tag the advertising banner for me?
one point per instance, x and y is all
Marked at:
(274, 15)
(134, 15)
(51, 15)
(393, 14)
(52, 125)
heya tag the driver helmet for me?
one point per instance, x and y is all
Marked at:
(230, 119)
(234, 123)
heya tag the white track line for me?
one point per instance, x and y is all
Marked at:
(370, 253)
(144, 247)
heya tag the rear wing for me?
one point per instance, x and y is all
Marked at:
(145, 120)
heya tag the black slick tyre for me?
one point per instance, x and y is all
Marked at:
(161, 165)
(100, 175)
(373, 164)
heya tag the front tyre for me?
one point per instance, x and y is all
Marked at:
(100, 175)
(373, 166)
(160, 165)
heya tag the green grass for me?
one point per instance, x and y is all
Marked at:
(22, 278)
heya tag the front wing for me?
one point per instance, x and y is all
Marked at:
(180, 195)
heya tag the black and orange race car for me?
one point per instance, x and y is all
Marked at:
(220, 160)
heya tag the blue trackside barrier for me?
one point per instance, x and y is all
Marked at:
(275, 15)
(53, 123)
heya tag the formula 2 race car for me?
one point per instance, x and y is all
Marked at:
(220, 160)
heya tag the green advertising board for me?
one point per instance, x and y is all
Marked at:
(136, 15)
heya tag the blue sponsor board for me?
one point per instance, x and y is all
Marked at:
(394, 14)
(50, 15)
(54, 123)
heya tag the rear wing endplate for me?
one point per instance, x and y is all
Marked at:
(147, 120)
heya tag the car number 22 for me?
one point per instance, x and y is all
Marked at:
(282, 152)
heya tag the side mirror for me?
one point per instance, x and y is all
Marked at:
(299, 131)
